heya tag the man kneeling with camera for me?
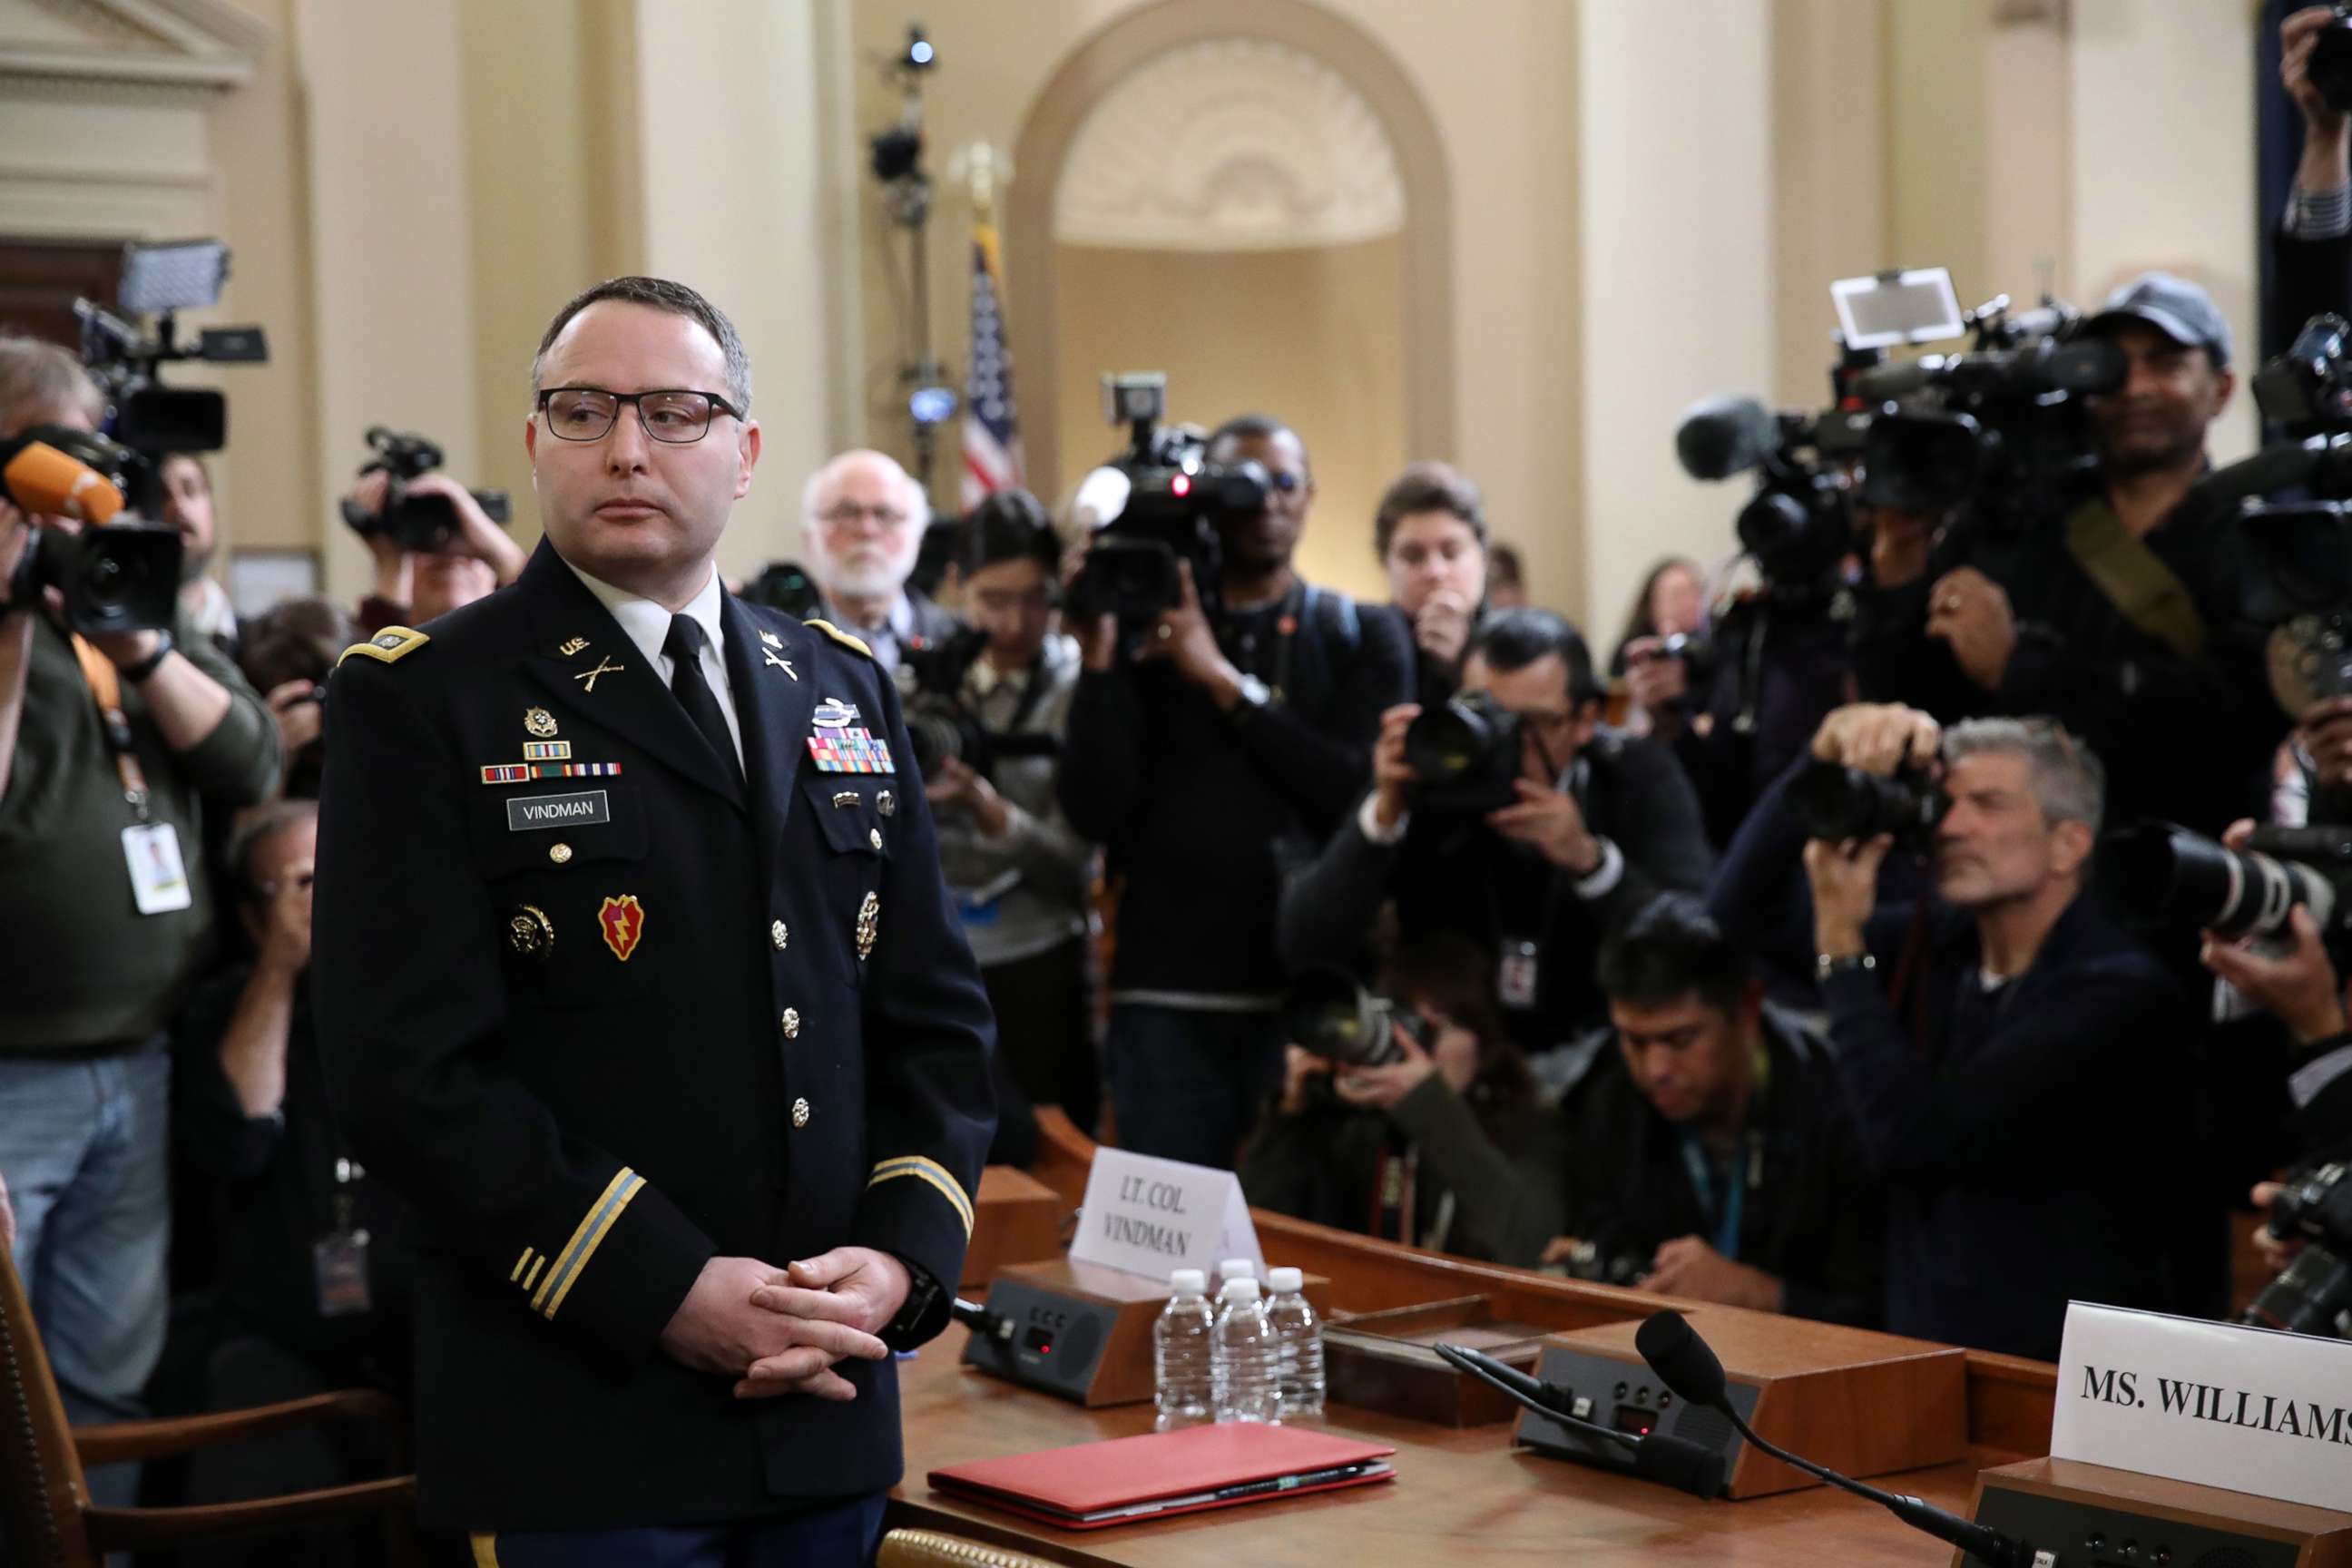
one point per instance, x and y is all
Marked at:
(2017, 1070)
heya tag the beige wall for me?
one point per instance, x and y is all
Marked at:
(1288, 329)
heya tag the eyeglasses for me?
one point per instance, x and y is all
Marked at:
(843, 513)
(673, 416)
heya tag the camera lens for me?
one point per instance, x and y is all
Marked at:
(1840, 803)
(2306, 1297)
(1328, 1013)
(1453, 742)
(2194, 880)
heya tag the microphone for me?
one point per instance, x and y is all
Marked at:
(1687, 1365)
(36, 477)
(981, 1320)
(1720, 437)
(1675, 1462)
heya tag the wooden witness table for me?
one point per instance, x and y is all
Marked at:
(1461, 1497)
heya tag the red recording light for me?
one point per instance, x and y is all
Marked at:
(1182, 485)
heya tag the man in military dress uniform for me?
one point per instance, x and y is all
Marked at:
(635, 974)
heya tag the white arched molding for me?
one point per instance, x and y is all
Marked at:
(103, 113)
(1229, 144)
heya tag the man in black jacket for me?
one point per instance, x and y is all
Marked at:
(634, 974)
(1597, 823)
(1708, 1155)
(2023, 1089)
(1194, 764)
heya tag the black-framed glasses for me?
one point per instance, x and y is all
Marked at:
(673, 416)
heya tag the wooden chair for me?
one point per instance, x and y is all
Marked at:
(47, 1520)
(929, 1549)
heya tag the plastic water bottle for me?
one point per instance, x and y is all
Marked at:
(1300, 1339)
(1183, 1353)
(1231, 1270)
(1246, 1357)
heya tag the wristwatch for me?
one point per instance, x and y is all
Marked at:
(1255, 694)
(135, 673)
(1827, 965)
(924, 1313)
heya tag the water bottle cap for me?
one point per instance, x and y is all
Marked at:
(1242, 1289)
(1188, 1282)
(1283, 1280)
(1238, 1268)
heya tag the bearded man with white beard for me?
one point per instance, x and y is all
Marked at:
(864, 518)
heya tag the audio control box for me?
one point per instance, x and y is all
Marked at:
(1080, 1331)
(1863, 1404)
(2077, 1515)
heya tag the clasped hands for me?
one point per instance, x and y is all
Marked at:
(782, 1331)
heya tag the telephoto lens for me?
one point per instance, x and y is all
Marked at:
(1328, 1013)
(1839, 802)
(2190, 880)
(2310, 1295)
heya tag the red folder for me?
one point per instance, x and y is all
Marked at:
(1161, 1474)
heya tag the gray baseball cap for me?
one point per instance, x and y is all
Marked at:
(2173, 306)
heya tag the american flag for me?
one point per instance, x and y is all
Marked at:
(992, 431)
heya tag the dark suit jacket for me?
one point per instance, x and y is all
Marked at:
(782, 1047)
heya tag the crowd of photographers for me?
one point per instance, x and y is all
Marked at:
(1932, 916)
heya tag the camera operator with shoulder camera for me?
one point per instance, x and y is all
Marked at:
(2017, 1071)
(987, 724)
(1511, 816)
(1431, 533)
(1415, 1120)
(438, 545)
(114, 745)
(1709, 1154)
(2112, 614)
(1192, 761)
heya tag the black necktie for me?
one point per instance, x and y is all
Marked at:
(683, 648)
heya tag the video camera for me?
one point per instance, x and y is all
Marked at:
(143, 415)
(1328, 1013)
(114, 577)
(786, 585)
(1999, 437)
(2313, 1295)
(414, 521)
(1798, 525)
(1174, 506)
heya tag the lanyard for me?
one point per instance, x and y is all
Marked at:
(1286, 632)
(1702, 1174)
(105, 691)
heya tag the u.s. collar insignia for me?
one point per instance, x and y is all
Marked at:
(624, 922)
(572, 646)
(832, 713)
(539, 722)
(772, 639)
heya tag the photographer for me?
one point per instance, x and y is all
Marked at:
(288, 653)
(1709, 1154)
(1019, 874)
(2018, 1072)
(2115, 617)
(1431, 533)
(1432, 1149)
(2310, 250)
(1191, 763)
(414, 586)
(112, 749)
(314, 1258)
(864, 518)
(1596, 823)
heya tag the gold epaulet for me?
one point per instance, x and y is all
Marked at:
(391, 645)
(837, 635)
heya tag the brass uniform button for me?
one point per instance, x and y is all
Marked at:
(874, 837)
(887, 804)
(800, 1112)
(792, 1023)
(869, 920)
(529, 932)
(560, 853)
(780, 933)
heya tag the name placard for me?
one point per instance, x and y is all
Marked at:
(2219, 1406)
(1149, 1217)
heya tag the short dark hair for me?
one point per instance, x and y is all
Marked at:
(1428, 487)
(1456, 977)
(1257, 428)
(659, 294)
(1671, 948)
(1009, 525)
(1516, 637)
(299, 639)
(1503, 564)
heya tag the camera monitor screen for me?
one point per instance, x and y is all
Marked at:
(1917, 305)
(178, 275)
